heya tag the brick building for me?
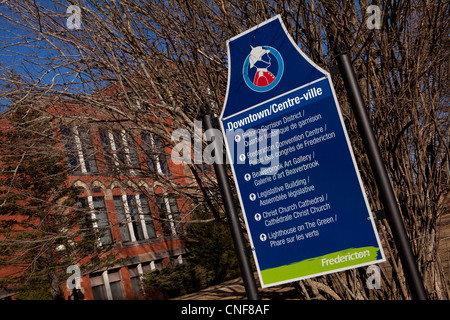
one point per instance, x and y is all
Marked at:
(124, 177)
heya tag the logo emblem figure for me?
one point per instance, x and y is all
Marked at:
(263, 68)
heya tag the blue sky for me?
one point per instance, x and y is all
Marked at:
(23, 52)
(17, 54)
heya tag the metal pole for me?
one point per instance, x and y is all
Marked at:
(381, 178)
(232, 217)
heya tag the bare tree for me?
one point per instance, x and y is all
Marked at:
(148, 64)
(40, 233)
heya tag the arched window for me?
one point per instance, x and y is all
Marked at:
(134, 215)
(94, 222)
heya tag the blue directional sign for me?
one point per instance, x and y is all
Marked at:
(301, 194)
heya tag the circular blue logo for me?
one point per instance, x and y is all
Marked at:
(263, 68)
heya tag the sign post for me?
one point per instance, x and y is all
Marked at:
(303, 201)
(232, 217)
(382, 180)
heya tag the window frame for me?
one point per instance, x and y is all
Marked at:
(155, 153)
(137, 219)
(165, 204)
(120, 151)
(103, 232)
(79, 151)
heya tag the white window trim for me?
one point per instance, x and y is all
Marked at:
(93, 217)
(127, 150)
(107, 286)
(141, 216)
(112, 144)
(128, 216)
(140, 271)
(141, 275)
(129, 220)
(79, 149)
(169, 215)
(156, 154)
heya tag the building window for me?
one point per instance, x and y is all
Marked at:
(79, 150)
(122, 217)
(169, 215)
(135, 219)
(96, 220)
(107, 285)
(106, 145)
(149, 154)
(161, 154)
(155, 153)
(120, 151)
(101, 221)
(98, 287)
(115, 284)
(160, 202)
(136, 274)
(70, 148)
(85, 219)
(131, 154)
(147, 216)
(87, 150)
(175, 213)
